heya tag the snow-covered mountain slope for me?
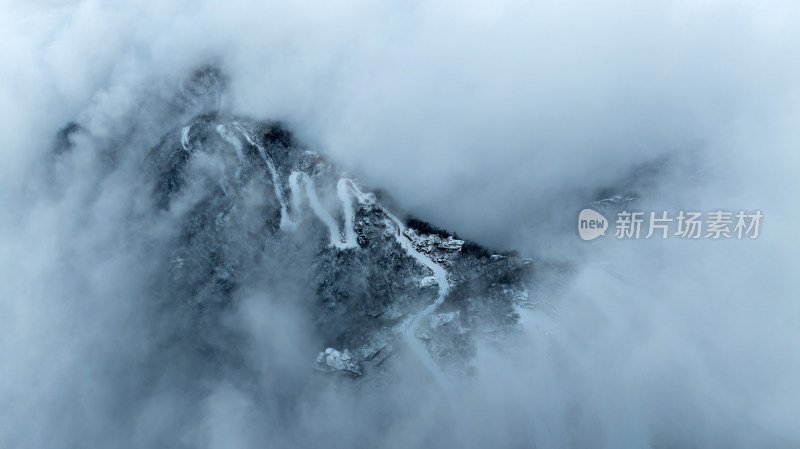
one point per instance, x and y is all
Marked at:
(244, 193)
(379, 282)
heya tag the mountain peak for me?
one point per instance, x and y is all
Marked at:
(378, 282)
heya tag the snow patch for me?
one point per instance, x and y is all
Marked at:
(335, 360)
(349, 212)
(319, 210)
(427, 281)
(286, 221)
(185, 138)
(237, 145)
(450, 244)
(412, 324)
(442, 319)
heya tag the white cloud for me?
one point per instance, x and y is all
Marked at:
(494, 120)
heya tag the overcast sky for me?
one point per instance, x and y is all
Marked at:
(497, 120)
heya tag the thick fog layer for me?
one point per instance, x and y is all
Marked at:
(497, 120)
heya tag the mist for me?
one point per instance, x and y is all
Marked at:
(499, 121)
